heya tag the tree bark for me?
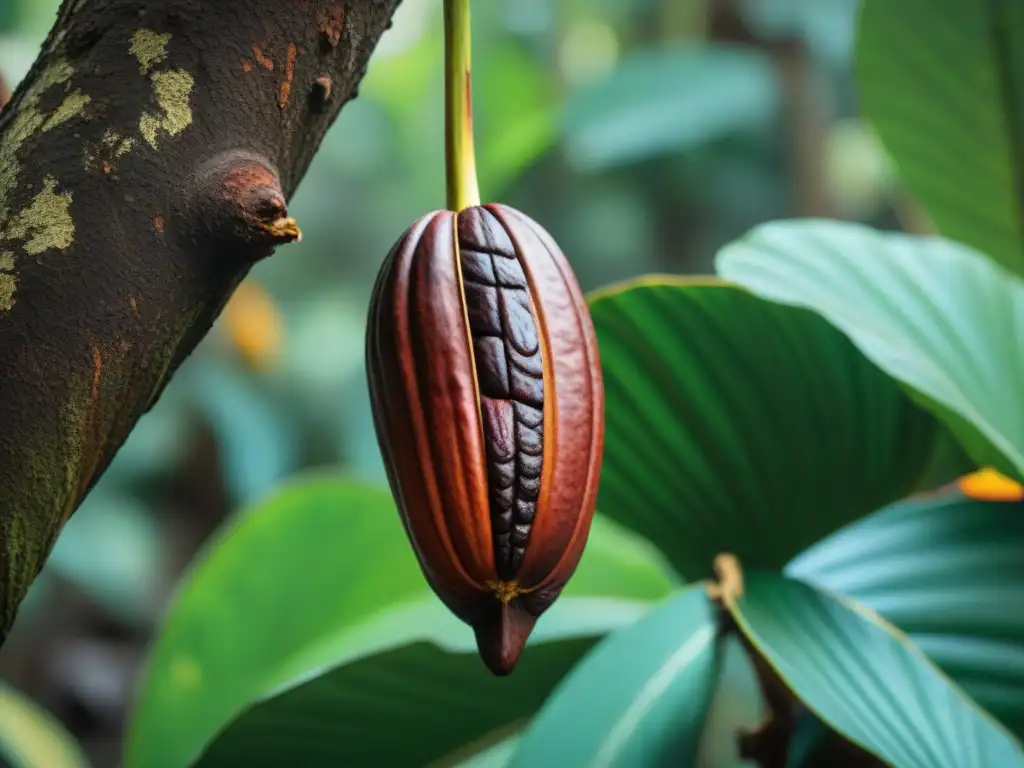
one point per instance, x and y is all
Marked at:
(145, 164)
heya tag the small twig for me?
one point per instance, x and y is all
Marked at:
(729, 586)
(768, 744)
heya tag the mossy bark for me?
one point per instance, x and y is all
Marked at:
(145, 165)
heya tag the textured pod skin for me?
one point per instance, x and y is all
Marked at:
(488, 405)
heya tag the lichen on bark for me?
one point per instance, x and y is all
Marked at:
(149, 48)
(7, 283)
(27, 120)
(171, 88)
(45, 220)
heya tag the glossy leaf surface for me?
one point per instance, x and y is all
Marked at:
(949, 572)
(640, 697)
(315, 600)
(864, 678)
(726, 414)
(934, 314)
(941, 80)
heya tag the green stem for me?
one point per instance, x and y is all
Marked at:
(460, 159)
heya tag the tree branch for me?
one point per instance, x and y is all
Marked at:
(145, 165)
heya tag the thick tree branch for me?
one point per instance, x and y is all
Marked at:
(145, 165)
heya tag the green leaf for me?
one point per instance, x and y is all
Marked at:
(933, 314)
(675, 98)
(497, 756)
(944, 570)
(418, 703)
(734, 424)
(639, 698)
(943, 83)
(864, 678)
(31, 737)
(314, 602)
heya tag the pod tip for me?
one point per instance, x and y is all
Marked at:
(501, 635)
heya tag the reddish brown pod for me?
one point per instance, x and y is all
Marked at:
(488, 405)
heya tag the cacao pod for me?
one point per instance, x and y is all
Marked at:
(488, 406)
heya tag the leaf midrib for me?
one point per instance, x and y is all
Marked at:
(672, 668)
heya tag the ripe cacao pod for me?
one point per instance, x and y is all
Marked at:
(489, 410)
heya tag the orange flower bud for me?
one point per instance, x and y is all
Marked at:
(488, 405)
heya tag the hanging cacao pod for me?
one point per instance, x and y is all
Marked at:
(488, 405)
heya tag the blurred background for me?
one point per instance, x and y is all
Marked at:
(644, 134)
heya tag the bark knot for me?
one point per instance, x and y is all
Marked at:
(241, 201)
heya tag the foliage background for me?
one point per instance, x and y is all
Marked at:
(643, 134)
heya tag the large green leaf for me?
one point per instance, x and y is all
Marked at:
(946, 571)
(734, 424)
(639, 698)
(421, 702)
(943, 83)
(30, 737)
(862, 677)
(930, 312)
(314, 601)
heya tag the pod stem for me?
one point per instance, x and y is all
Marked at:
(460, 158)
